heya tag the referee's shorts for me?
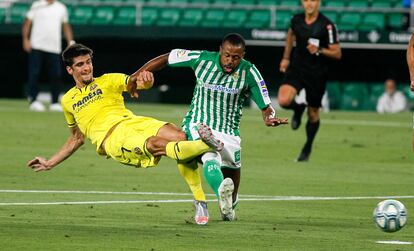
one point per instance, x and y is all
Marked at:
(314, 84)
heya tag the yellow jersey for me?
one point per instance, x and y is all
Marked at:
(97, 107)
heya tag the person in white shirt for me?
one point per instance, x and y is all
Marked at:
(392, 101)
(42, 35)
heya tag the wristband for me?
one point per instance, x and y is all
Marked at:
(72, 42)
(319, 52)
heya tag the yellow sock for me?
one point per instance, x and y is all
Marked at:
(186, 150)
(191, 174)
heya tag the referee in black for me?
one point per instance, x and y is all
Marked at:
(316, 43)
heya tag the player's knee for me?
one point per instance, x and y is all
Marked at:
(284, 101)
(211, 156)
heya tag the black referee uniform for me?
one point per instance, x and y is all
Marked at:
(309, 71)
(306, 70)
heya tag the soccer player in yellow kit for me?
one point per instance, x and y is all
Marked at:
(94, 108)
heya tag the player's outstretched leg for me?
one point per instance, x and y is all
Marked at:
(225, 190)
(206, 135)
(201, 212)
(297, 115)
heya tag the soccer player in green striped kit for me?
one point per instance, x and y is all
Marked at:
(223, 81)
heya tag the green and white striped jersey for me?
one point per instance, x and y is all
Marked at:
(218, 96)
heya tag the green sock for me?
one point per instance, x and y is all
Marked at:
(213, 174)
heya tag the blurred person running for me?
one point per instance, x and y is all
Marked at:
(316, 42)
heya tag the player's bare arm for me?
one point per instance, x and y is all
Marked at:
(151, 66)
(333, 51)
(27, 47)
(410, 62)
(269, 117)
(139, 81)
(68, 33)
(74, 141)
(284, 63)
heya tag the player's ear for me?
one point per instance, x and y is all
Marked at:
(69, 70)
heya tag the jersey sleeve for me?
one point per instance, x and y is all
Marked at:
(332, 31)
(183, 58)
(30, 13)
(65, 16)
(257, 88)
(70, 119)
(117, 81)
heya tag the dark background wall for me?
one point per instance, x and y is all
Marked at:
(127, 55)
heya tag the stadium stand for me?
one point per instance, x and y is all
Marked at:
(363, 15)
(353, 96)
(349, 15)
(125, 16)
(2, 15)
(190, 17)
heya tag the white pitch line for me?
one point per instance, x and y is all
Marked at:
(278, 198)
(242, 196)
(92, 192)
(395, 242)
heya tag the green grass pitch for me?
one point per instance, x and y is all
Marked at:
(356, 157)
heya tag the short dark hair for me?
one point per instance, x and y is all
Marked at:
(73, 51)
(234, 39)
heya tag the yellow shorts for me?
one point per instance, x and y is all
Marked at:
(127, 143)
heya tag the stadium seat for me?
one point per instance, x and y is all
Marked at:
(2, 15)
(246, 2)
(371, 21)
(258, 19)
(103, 15)
(335, 3)
(283, 19)
(395, 21)
(334, 94)
(332, 15)
(148, 16)
(290, 3)
(180, 1)
(353, 96)
(222, 2)
(157, 1)
(120, 1)
(267, 2)
(358, 3)
(349, 21)
(235, 18)
(168, 16)
(191, 17)
(407, 92)
(201, 1)
(381, 4)
(125, 16)
(213, 18)
(18, 12)
(375, 91)
(81, 14)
